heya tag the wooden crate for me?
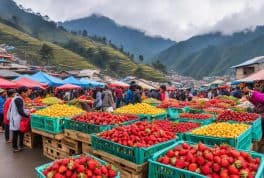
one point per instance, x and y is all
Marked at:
(127, 169)
(53, 154)
(87, 148)
(29, 139)
(48, 135)
(76, 135)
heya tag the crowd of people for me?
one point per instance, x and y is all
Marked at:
(12, 107)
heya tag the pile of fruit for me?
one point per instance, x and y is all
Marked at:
(139, 134)
(214, 110)
(195, 116)
(82, 167)
(59, 110)
(237, 116)
(103, 118)
(140, 108)
(51, 100)
(217, 162)
(151, 101)
(171, 103)
(222, 129)
(176, 127)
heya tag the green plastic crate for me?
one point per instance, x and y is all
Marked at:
(201, 121)
(133, 154)
(47, 124)
(195, 111)
(243, 141)
(174, 112)
(159, 170)
(91, 128)
(39, 170)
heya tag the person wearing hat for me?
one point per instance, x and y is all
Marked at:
(2, 101)
(10, 93)
(15, 113)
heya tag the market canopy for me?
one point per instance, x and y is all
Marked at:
(4, 84)
(27, 82)
(68, 87)
(251, 78)
(118, 84)
(217, 82)
(72, 80)
(91, 83)
(47, 79)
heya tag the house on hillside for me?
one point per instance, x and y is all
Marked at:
(249, 67)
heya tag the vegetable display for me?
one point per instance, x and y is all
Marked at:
(177, 127)
(140, 108)
(195, 116)
(237, 116)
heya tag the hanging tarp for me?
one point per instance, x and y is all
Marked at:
(91, 83)
(118, 84)
(68, 87)
(72, 80)
(27, 82)
(4, 84)
(47, 79)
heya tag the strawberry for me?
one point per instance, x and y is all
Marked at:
(55, 166)
(214, 175)
(224, 174)
(224, 163)
(244, 154)
(234, 176)
(89, 173)
(235, 153)
(209, 156)
(80, 168)
(166, 160)
(111, 173)
(58, 175)
(205, 170)
(68, 173)
(62, 169)
(192, 167)
(216, 167)
(183, 152)
(104, 170)
(233, 170)
(98, 171)
(200, 160)
(217, 159)
(202, 147)
(92, 164)
(180, 164)
(185, 145)
(170, 154)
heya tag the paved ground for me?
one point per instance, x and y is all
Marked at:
(19, 165)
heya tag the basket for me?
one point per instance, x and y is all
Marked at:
(48, 124)
(133, 154)
(91, 128)
(159, 170)
(40, 169)
(243, 141)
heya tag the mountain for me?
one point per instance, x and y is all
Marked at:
(132, 40)
(102, 55)
(212, 54)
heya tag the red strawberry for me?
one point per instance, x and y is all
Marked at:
(224, 163)
(233, 170)
(55, 166)
(62, 169)
(89, 173)
(209, 156)
(215, 175)
(224, 174)
(235, 153)
(183, 152)
(185, 145)
(58, 175)
(98, 171)
(80, 168)
(92, 164)
(206, 170)
(180, 164)
(200, 160)
(202, 147)
(234, 176)
(104, 170)
(68, 173)
(170, 154)
(216, 167)
(166, 160)
(192, 167)
(65, 161)
(217, 159)
(244, 154)
(111, 173)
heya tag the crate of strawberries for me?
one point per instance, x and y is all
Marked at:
(201, 118)
(77, 166)
(136, 142)
(244, 117)
(189, 160)
(94, 122)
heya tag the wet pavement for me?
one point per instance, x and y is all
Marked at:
(21, 164)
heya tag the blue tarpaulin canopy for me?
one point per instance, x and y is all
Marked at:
(91, 83)
(47, 79)
(74, 81)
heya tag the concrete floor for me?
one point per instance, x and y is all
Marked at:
(21, 164)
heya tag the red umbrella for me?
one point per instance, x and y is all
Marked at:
(68, 87)
(24, 81)
(7, 84)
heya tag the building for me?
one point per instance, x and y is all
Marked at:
(249, 67)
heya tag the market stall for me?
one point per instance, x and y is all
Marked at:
(27, 82)
(47, 79)
(5, 84)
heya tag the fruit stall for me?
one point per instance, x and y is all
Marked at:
(205, 138)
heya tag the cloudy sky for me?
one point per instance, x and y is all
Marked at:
(175, 19)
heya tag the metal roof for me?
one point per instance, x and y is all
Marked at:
(255, 60)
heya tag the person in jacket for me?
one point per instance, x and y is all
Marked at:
(98, 99)
(15, 113)
(163, 93)
(137, 95)
(2, 101)
(119, 96)
(108, 100)
(129, 95)
(10, 93)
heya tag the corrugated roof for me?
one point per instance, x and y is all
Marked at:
(255, 60)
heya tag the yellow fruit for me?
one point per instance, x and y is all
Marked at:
(51, 100)
(59, 110)
(222, 129)
(140, 108)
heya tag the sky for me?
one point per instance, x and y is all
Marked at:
(174, 19)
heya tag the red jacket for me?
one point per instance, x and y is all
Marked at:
(5, 109)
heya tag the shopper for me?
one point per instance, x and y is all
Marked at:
(163, 93)
(98, 99)
(129, 95)
(2, 101)
(10, 93)
(107, 100)
(15, 113)
(137, 95)
(119, 96)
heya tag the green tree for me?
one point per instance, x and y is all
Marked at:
(46, 53)
(84, 33)
(159, 66)
(141, 58)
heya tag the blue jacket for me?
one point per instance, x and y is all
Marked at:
(2, 102)
(129, 97)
